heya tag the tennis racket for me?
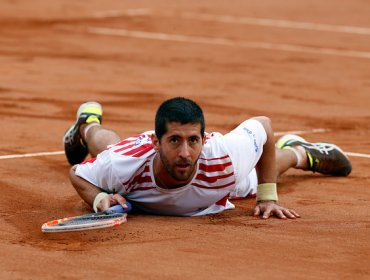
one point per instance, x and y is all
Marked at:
(112, 217)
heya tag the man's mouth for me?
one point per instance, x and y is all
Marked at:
(182, 166)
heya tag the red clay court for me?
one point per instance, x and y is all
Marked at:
(305, 64)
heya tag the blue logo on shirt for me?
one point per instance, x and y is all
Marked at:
(142, 139)
(256, 148)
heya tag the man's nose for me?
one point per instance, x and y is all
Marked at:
(184, 150)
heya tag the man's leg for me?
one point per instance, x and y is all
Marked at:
(288, 158)
(98, 138)
(87, 135)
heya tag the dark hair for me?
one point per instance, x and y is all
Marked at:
(178, 109)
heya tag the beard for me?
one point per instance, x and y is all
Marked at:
(179, 175)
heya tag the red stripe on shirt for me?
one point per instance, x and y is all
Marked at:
(146, 169)
(212, 179)
(222, 202)
(214, 167)
(141, 180)
(91, 160)
(137, 152)
(124, 148)
(209, 159)
(126, 141)
(132, 140)
(146, 148)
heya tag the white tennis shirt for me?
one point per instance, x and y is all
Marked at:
(225, 169)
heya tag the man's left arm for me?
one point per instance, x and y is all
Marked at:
(267, 176)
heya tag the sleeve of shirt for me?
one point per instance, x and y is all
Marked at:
(99, 172)
(245, 145)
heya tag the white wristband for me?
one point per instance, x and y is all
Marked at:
(99, 197)
(267, 192)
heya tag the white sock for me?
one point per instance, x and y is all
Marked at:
(301, 155)
(87, 128)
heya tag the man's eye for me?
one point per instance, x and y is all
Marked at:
(174, 140)
(194, 140)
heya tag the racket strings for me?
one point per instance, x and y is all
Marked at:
(90, 219)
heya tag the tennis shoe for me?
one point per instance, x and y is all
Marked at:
(74, 146)
(325, 158)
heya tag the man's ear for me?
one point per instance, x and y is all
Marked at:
(155, 142)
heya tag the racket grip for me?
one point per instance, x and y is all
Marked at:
(119, 209)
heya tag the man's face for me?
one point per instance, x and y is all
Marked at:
(179, 149)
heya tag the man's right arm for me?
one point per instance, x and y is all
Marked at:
(88, 192)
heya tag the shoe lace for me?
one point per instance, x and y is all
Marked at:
(69, 138)
(322, 148)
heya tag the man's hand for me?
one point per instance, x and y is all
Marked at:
(110, 201)
(270, 208)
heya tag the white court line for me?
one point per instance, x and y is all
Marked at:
(279, 23)
(32, 155)
(357, 155)
(317, 130)
(116, 13)
(224, 42)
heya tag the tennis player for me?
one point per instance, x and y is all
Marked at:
(181, 170)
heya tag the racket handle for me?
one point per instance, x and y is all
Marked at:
(119, 209)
